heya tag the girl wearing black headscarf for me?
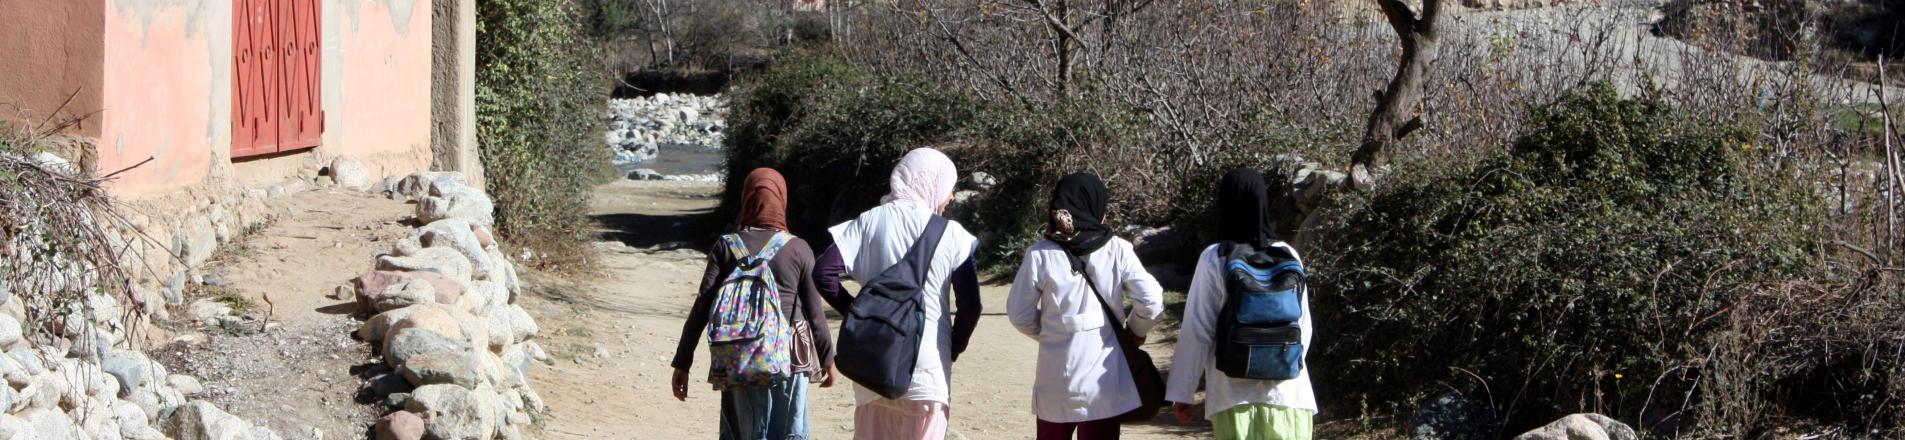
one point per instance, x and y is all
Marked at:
(1241, 409)
(1082, 382)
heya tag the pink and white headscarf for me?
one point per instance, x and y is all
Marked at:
(925, 177)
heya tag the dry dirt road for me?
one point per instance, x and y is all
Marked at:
(613, 332)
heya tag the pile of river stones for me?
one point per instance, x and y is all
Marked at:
(639, 126)
(442, 312)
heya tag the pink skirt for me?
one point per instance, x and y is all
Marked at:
(887, 419)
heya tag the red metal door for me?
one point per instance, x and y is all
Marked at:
(276, 104)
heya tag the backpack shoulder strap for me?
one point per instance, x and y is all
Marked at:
(921, 255)
(737, 248)
(774, 246)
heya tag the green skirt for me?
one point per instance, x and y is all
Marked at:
(1259, 421)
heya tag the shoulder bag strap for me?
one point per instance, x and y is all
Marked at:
(1117, 325)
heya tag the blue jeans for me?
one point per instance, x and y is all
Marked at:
(774, 412)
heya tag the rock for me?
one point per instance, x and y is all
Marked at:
(406, 246)
(131, 368)
(186, 385)
(447, 290)
(400, 425)
(443, 367)
(457, 234)
(444, 261)
(213, 280)
(1582, 427)
(374, 329)
(350, 173)
(410, 293)
(470, 205)
(10, 331)
(133, 421)
(410, 342)
(436, 318)
(200, 240)
(200, 420)
(453, 412)
(422, 184)
(47, 424)
(500, 263)
(483, 236)
(981, 181)
(483, 298)
(343, 292)
(645, 174)
(174, 289)
(511, 324)
(208, 311)
(397, 400)
(323, 182)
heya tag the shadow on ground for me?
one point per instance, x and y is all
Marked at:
(690, 230)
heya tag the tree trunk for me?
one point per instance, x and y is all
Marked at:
(1395, 115)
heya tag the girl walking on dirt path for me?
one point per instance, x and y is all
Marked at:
(1065, 286)
(777, 409)
(922, 186)
(1240, 409)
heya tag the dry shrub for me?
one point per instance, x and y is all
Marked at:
(63, 245)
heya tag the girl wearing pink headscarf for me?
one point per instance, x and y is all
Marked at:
(922, 185)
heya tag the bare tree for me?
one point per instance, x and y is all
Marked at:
(1396, 113)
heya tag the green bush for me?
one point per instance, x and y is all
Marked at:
(536, 100)
(1564, 275)
(834, 132)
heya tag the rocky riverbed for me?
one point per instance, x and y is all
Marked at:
(638, 128)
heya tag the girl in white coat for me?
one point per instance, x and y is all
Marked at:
(1082, 382)
(1239, 409)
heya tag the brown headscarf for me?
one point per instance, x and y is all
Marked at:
(764, 200)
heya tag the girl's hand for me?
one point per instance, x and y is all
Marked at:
(1185, 413)
(826, 377)
(681, 384)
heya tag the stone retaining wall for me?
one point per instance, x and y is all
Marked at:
(442, 313)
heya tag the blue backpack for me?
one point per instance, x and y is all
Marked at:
(879, 340)
(1258, 332)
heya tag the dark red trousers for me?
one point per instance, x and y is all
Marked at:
(1106, 429)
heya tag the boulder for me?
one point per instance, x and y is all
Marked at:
(186, 385)
(422, 184)
(209, 311)
(48, 424)
(645, 174)
(468, 204)
(436, 318)
(13, 428)
(446, 289)
(453, 413)
(133, 421)
(511, 325)
(444, 261)
(374, 329)
(411, 342)
(347, 172)
(456, 234)
(443, 367)
(199, 239)
(507, 271)
(389, 383)
(133, 370)
(397, 296)
(400, 425)
(200, 420)
(1582, 427)
(10, 330)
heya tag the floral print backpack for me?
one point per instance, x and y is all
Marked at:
(749, 339)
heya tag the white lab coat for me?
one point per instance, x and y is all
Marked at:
(1194, 358)
(1081, 374)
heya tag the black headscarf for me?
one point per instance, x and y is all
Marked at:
(1243, 209)
(1077, 217)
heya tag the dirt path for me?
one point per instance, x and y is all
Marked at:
(613, 335)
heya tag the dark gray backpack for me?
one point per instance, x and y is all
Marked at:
(879, 342)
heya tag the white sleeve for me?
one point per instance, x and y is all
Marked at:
(847, 239)
(1021, 306)
(1200, 318)
(1147, 297)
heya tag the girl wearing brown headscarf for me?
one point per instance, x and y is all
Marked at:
(778, 410)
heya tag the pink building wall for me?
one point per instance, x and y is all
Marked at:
(163, 76)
